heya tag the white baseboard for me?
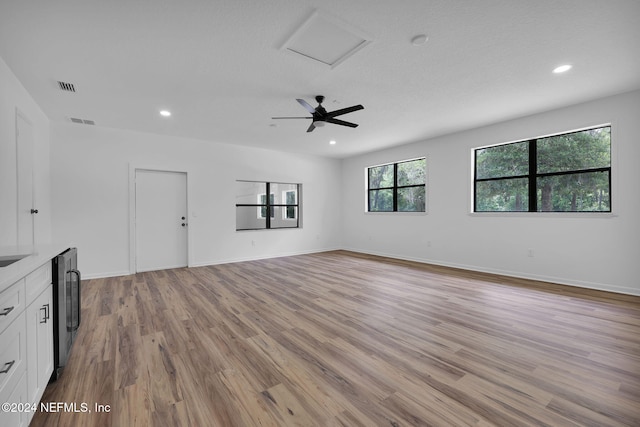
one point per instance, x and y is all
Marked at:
(104, 275)
(244, 259)
(551, 279)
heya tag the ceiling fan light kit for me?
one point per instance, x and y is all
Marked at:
(320, 116)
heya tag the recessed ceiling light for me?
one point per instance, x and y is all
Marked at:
(419, 40)
(332, 142)
(165, 113)
(562, 69)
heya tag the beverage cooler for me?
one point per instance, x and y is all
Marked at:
(66, 307)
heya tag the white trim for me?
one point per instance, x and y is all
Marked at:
(284, 201)
(256, 258)
(105, 274)
(473, 268)
(556, 215)
(548, 279)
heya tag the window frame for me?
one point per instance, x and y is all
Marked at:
(532, 177)
(285, 212)
(262, 207)
(395, 187)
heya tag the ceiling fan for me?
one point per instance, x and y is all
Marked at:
(320, 116)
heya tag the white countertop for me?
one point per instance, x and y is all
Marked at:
(38, 255)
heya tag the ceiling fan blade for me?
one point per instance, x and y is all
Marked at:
(344, 111)
(311, 127)
(340, 122)
(306, 105)
(292, 117)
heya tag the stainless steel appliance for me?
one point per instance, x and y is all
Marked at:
(66, 307)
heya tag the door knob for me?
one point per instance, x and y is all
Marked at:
(34, 211)
(183, 218)
(184, 224)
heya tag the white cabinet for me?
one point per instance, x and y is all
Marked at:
(12, 303)
(39, 344)
(15, 416)
(13, 361)
(26, 344)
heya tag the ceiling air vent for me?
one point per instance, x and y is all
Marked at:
(82, 121)
(67, 87)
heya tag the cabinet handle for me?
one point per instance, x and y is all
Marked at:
(4, 371)
(77, 302)
(7, 311)
(46, 313)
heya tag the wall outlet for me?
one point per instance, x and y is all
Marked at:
(530, 253)
(253, 243)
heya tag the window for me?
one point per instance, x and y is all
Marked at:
(562, 173)
(262, 205)
(291, 199)
(397, 187)
(254, 211)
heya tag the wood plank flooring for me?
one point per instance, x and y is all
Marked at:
(345, 339)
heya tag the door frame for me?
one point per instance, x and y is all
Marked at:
(133, 168)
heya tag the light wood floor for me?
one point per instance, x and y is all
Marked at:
(343, 339)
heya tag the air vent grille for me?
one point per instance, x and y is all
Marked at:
(82, 121)
(67, 87)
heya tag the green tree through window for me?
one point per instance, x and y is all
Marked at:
(562, 173)
(397, 187)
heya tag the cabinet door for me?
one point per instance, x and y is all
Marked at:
(39, 344)
(18, 395)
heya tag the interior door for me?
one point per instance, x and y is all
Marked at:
(160, 219)
(24, 164)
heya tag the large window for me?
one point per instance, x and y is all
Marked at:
(562, 173)
(256, 211)
(397, 187)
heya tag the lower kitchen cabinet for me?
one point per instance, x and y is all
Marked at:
(39, 344)
(16, 414)
(26, 345)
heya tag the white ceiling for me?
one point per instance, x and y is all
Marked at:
(219, 67)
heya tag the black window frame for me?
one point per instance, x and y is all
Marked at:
(269, 207)
(395, 186)
(532, 177)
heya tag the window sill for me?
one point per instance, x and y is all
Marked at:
(397, 213)
(581, 215)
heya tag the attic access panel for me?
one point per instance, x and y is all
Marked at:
(326, 39)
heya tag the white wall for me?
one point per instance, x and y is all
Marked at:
(14, 97)
(89, 171)
(90, 179)
(594, 251)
